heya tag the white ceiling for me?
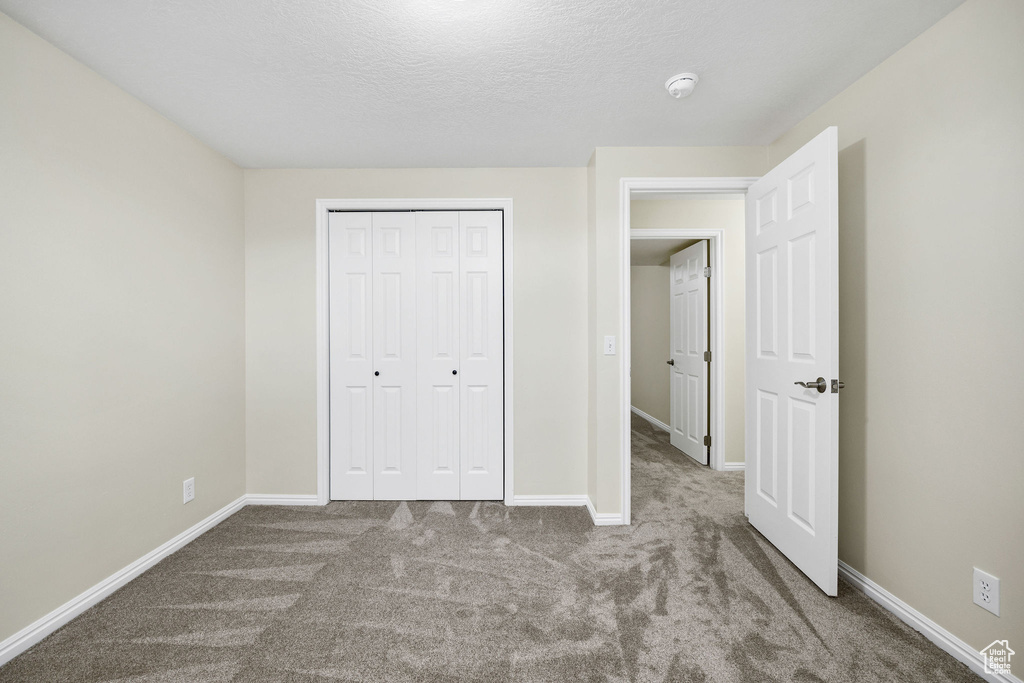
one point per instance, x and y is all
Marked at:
(420, 83)
(655, 252)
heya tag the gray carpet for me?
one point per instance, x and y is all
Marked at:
(480, 592)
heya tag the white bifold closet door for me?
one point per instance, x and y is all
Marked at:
(394, 355)
(416, 320)
(437, 359)
(482, 389)
(350, 239)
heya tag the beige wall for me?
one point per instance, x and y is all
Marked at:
(550, 315)
(122, 341)
(649, 335)
(610, 165)
(931, 221)
(727, 215)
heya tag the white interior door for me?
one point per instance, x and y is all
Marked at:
(438, 295)
(394, 355)
(689, 339)
(351, 311)
(792, 321)
(482, 351)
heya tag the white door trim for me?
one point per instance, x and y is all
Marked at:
(630, 188)
(323, 398)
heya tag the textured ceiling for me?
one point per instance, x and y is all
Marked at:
(392, 83)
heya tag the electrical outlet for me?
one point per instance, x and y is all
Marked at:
(609, 345)
(986, 591)
(189, 488)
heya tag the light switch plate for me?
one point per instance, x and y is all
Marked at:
(609, 345)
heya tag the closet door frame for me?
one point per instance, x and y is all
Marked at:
(323, 397)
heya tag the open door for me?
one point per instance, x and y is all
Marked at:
(689, 339)
(792, 358)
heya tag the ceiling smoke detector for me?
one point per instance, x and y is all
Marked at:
(681, 85)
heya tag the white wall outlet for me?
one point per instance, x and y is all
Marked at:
(189, 488)
(609, 345)
(986, 591)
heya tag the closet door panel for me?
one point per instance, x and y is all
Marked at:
(437, 361)
(481, 356)
(394, 356)
(351, 353)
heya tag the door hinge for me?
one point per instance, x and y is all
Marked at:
(707, 271)
(707, 356)
(707, 440)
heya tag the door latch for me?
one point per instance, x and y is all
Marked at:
(837, 385)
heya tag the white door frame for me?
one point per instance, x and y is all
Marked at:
(323, 375)
(630, 188)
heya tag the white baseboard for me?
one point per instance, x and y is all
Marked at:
(280, 499)
(599, 518)
(36, 631)
(653, 420)
(734, 466)
(603, 518)
(580, 499)
(919, 622)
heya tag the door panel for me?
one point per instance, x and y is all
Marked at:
(802, 310)
(767, 312)
(688, 342)
(766, 454)
(477, 427)
(437, 359)
(481, 371)
(394, 351)
(351, 371)
(792, 336)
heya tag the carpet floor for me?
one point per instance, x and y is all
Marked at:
(424, 591)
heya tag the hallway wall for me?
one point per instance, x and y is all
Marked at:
(649, 308)
(728, 215)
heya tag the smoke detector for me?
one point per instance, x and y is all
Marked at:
(681, 85)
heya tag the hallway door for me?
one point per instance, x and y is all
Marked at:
(689, 340)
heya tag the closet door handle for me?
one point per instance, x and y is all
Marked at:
(376, 373)
(455, 372)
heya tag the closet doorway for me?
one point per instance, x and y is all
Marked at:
(414, 360)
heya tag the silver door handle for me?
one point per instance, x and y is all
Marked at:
(821, 385)
(671, 361)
